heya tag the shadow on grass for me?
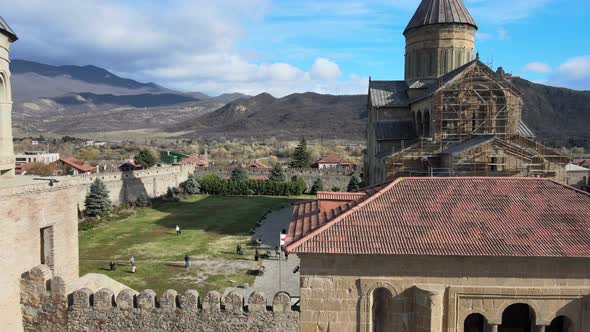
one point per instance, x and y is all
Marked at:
(226, 215)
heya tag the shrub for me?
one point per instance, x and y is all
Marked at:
(146, 158)
(142, 201)
(354, 184)
(191, 186)
(239, 174)
(318, 185)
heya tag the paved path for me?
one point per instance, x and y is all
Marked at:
(272, 281)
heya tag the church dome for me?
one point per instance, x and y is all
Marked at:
(440, 12)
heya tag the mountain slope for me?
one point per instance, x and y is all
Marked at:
(558, 116)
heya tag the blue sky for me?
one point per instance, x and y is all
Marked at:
(286, 46)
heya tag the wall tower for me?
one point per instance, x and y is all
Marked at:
(7, 37)
(439, 38)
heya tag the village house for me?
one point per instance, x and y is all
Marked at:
(73, 166)
(333, 161)
(130, 166)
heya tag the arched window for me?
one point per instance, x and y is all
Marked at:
(427, 124)
(3, 89)
(475, 323)
(559, 324)
(518, 317)
(382, 310)
(419, 123)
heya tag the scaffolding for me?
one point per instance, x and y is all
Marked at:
(478, 105)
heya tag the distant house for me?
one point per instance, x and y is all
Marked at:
(130, 166)
(172, 157)
(195, 160)
(73, 166)
(577, 176)
(333, 161)
(36, 157)
(582, 163)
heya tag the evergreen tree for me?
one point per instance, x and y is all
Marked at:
(191, 186)
(318, 185)
(239, 174)
(142, 201)
(277, 174)
(354, 184)
(301, 157)
(146, 158)
(98, 203)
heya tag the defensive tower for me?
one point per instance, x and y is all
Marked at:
(439, 38)
(7, 37)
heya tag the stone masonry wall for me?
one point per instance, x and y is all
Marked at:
(330, 177)
(47, 307)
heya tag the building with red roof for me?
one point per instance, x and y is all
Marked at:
(448, 254)
(130, 166)
(333, 161)
(195, 160)
(73, 166)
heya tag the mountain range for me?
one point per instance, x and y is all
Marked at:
(86, 99)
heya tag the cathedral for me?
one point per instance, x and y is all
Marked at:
(452, 115)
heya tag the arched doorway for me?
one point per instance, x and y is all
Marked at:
(419, 124)
(3, 88)
(382, 310)
(559, 324)
(518, 318)
(475, 323)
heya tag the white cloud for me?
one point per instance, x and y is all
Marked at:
(537, 67)
(324, 69)
(574, 73)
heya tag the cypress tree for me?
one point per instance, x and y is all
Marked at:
(146, 158)
(354, 184)
(98, 203)
(318, 185)
(277, 174)
(301, 157)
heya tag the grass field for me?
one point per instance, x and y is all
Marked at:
(211, 228)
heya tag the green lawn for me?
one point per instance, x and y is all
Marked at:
(211, 228)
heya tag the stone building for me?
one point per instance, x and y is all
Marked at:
(7, 37)
(447, 254)
(452, 114)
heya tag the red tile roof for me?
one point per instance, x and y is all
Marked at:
(78, 164)
(195, 161)
(452, 217)
(339, 196)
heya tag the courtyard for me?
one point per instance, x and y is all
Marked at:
(211, 227)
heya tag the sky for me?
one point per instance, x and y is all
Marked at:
(288, 46)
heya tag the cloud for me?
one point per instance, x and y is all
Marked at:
(324, 69)
(537, 67)
(574, 73)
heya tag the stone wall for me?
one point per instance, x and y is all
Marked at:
(330, 177)
(47, 307)
(439, 293)
(24, 212)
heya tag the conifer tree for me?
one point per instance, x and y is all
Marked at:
(354, 184)
(146, 158)
(191, 186)
(239, 174)
(277, 174)
(318, 185)
(301, 157)
(97, 201)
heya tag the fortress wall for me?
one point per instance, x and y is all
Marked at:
(24, 212)
(330, 177)
(51, 308)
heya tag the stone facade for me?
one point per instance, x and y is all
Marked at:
(6, 148)
(38, 225)
(423, 293)
(434, 50)
(52, 309)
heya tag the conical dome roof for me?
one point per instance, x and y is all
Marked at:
(439, 12)
(6, 30)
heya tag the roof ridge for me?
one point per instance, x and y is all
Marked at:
(330, 223)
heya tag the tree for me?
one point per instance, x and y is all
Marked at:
(146, 158)
(191, 186)
(301, 157)
(142, 201)
(277, 174)
(318, 185)
(239, 174)
(98, 203)
(354, 184)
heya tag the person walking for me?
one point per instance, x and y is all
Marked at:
(256, 255)
(132, 262)
(177, 230)
(238, 249)
(187, 261)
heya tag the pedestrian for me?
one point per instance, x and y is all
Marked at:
(286, 255)
(238, 249)
(112, 266)
(187, 261)
(177, 230)
(278, 253)
(256, 255)
(132, 262)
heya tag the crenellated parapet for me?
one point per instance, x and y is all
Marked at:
(47, 306)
